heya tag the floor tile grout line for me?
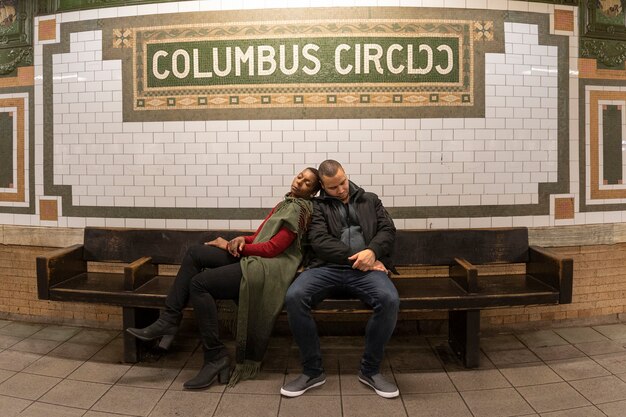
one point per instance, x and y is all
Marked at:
(54, 376)
(521, 396)
(584, 396)
(101, 396)
(111, 385)
(608, 402)
(602, 366)
(568, 382)
(280, 397)
(508, 381)
(564, 380)
(63, 405)
(156, 403)
(406, 411)
(217, 405)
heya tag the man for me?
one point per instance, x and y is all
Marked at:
(351, 237)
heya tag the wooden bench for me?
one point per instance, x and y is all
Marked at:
(461, 271)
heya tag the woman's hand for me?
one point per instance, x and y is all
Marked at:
(236, 245)
(220, 242)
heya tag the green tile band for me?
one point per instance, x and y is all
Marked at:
(6, 150)
(612, 144)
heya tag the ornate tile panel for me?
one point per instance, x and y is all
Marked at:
(47, 29)
(403, 63)
(108, 163)
(12, 182)
(607, 127)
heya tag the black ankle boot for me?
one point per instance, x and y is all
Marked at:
(219, 367)
(159, 328)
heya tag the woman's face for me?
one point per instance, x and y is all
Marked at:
(303, 184)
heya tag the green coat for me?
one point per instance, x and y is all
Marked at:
(264, 285)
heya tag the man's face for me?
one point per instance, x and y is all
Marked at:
(337, 186)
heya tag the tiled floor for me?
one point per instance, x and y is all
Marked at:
(68, 371)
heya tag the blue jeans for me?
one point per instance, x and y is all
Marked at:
(373, 288)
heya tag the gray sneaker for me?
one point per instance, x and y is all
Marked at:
(302, 384)
(379, 384)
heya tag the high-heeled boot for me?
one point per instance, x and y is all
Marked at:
(219, 368)
(160, 328)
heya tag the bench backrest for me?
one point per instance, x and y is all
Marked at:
(425, 247)
(478, 246)
(164, 246)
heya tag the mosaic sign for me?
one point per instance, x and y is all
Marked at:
(298, 61)
(301, 64)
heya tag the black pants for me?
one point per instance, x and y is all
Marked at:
(206, 274)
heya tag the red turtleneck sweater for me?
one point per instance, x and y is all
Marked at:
(273, 247)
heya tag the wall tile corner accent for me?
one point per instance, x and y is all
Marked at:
(564, 20)
(564, 208)
(47, 30)
(48, 210)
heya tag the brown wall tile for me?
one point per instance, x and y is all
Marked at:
(588, 68)
(25, 77)
(48, 210)
(564, 20)
(563, 208)
(47, 29)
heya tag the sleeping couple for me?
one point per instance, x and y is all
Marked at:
(349, 238)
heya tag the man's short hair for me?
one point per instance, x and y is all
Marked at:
(329, 168)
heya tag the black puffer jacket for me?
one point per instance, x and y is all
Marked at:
(324, 235)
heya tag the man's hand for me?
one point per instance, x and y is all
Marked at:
(220, 242)
(379, 266)
(364, 260)
(236, 245)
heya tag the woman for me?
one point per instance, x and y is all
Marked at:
(255, 270)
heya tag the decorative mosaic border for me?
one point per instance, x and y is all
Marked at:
(15, 107)
(589, 70)
(604, 197)
(598, 190)
(72, 5)
(107, 25)
(23, 200)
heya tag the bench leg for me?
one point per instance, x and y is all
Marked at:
(464, 336)
(135, 317)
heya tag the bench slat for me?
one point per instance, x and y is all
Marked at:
(163, 246)
(416, 293)
(102, 288)
(478, 246)
(93, 282)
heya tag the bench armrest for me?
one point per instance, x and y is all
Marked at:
(138, 273)
(465, 274)
(552, 269)
(57, 266)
